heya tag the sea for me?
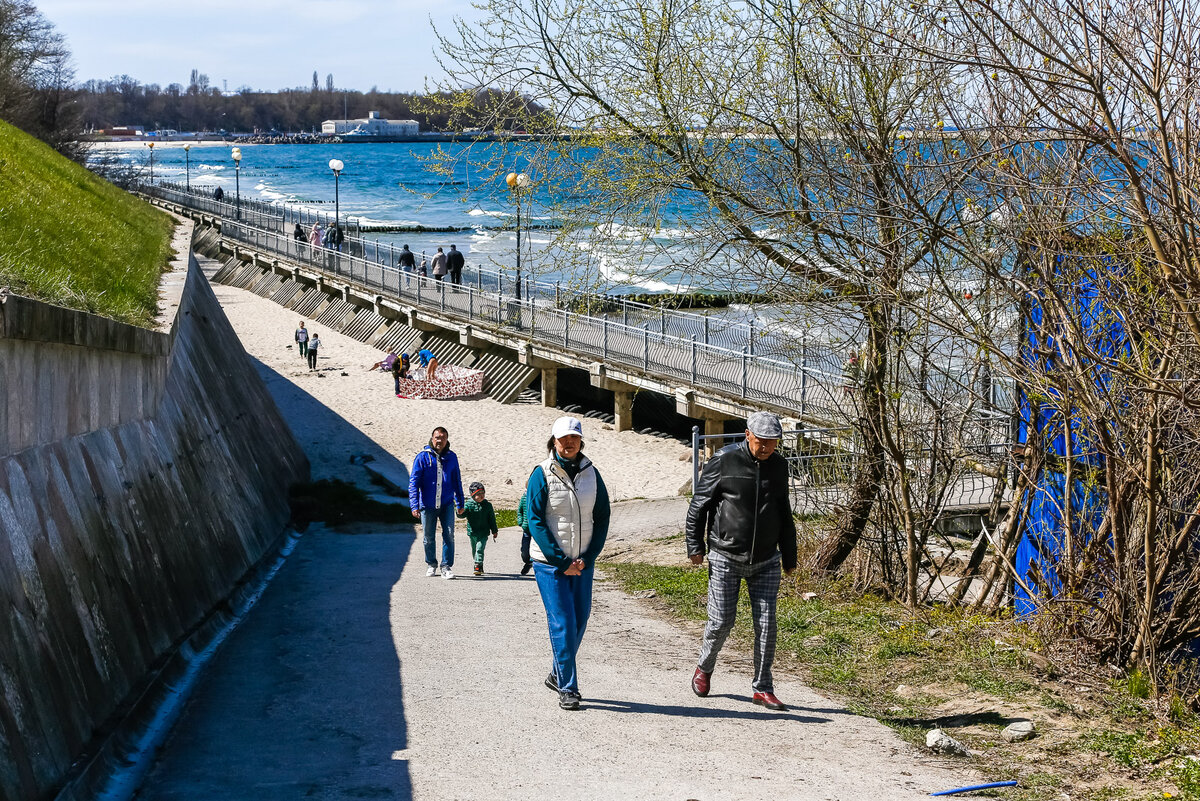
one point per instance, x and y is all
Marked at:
(396, 197)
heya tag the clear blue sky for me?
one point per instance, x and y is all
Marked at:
(263, 44)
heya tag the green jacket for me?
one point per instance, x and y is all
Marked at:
(481, 518)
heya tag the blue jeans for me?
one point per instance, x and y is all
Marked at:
(568, 602)
(429, 521)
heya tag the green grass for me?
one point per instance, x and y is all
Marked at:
(506, 518)
(69, 238)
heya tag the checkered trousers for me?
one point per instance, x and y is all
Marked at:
(762, 583)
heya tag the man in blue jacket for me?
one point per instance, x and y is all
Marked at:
(435, 492)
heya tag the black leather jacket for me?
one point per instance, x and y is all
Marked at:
(742, 508)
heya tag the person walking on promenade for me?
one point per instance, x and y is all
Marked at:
(339, 238)
(316, 236)
(301, 239)
(424, 266)
(439, 265)
(523, 522)
(481, 521)
(218, 194)
(568, 519)
(741, 514)
(455, 263)
(302, 339)
(434, 492)
(406, 260)
(314, 344)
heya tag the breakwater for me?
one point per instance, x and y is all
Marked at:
(143, 475)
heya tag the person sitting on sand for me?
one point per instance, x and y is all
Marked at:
(385, 363)
(429, 361)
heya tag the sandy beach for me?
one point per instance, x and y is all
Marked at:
(497, 444)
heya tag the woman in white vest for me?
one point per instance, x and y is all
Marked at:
(568, 520)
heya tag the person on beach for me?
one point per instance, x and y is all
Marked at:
(439, 265)
(426, 359)
(300, 237)
(400, 371)
(385, 363)
(434, 492)
(315, 236)
(455, 263)
(568, 519)
(406, 260)
(741, 514)
(314, 344)
(302, 339)
(481, 521)
(523, 522)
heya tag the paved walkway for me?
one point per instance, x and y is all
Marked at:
(358, 677)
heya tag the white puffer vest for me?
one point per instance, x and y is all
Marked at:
(569, 507)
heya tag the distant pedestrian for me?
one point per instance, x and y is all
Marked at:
(851, 373)
(407, 261)
(439, 265)
(424, 266)
(339, 238)
(741, 515)
(568, 518)
(302, 339)
(328, 237)
(316, 236)
(454, 263)
(427, 359)
(481, 521)
(434, 492)
(314, 344)
(523, 522)
(219, 194)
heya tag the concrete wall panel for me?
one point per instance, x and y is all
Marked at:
(142, 475)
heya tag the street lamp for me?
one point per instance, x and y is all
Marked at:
(151, 146)
(516, 182)
(188, 160)
(237, 178)
(337, 166)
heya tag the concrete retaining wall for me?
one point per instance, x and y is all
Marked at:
(142, 474)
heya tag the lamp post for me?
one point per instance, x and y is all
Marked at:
(151, 146)
(237, 178)
(188, 161)
(516, 182)
(337, 166)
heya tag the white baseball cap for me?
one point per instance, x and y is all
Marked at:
(565, 427)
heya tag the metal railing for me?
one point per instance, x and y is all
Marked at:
(756, 379)
(712, 330)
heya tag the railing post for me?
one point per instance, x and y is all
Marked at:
(662, 320)
(557, 290)
(695, 457)
(529, 303)
(706, 342)
(803, 370)
(470, 305)
(478, 278)
(419, 290)
(646, 347)
(745, 370)
(442, 293)
(751, 338)
(693, 361)
(604, 326)
(566, 329)
(624, 312)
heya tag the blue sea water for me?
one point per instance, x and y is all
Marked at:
(391, 186)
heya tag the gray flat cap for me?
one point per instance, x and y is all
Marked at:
(764, 425)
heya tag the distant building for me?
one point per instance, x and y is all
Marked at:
(373, 125)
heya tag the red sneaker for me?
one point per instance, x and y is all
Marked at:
(769, 701)
(700, 682)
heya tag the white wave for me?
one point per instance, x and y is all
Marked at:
(212, 167)
(485, 213)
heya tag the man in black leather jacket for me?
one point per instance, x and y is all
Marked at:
(741, 515)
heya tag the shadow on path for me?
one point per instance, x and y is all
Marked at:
(699, 712)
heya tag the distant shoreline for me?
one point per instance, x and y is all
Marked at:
(306, 139)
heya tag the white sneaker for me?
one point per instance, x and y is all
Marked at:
(431, 572)
(447, 573)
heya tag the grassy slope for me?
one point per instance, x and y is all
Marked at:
(69, 238)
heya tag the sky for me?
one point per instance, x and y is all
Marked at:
(262, 44)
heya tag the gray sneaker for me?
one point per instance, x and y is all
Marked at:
(552, 682)
(569, 700)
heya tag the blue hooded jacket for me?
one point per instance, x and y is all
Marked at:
(422, 483)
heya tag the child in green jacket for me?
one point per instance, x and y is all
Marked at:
(481, 521)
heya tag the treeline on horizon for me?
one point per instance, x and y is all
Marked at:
(123, 100)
